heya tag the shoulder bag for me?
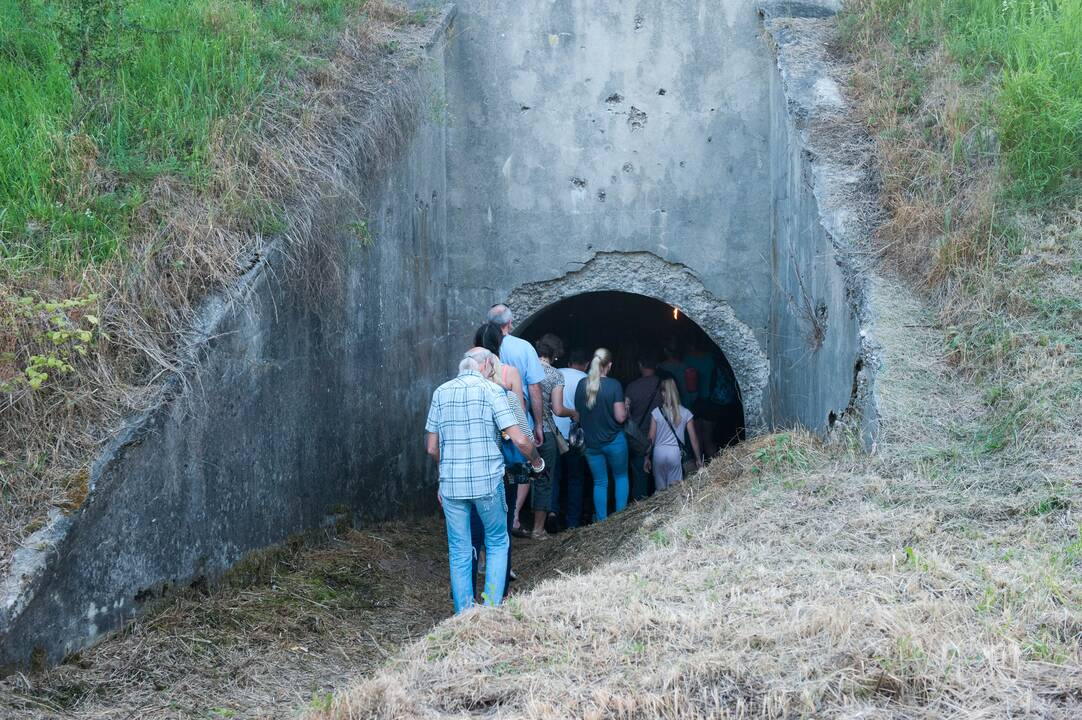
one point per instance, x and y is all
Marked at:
(685, 454)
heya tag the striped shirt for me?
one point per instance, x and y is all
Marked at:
(467, 414)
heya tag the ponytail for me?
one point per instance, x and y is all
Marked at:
(670, 401)
(602, 359)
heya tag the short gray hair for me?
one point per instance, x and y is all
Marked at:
(500, 314)
(473, 359)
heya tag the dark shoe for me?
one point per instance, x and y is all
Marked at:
(520, 532)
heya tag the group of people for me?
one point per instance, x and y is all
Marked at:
(513, 428)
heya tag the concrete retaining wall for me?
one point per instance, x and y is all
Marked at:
(298, 409)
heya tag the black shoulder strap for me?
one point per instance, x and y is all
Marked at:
(649, 409)
(679, 442)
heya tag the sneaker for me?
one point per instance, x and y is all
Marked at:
(513, 575)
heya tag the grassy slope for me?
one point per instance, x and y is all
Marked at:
(99, 99)
(942, 575)
(932, 578)
(150, 151)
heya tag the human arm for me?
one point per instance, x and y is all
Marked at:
(694, 437)
(619, 411)
(537, 409)
(650, 450)
(432, 445)
(558, 407)
(525, 445)
(507, 422)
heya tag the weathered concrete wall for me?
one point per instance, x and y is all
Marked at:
(587, 126)
(822, 187)
(590, 129)
(300, 407)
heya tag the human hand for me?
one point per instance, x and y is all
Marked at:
(538, 436)
(646, 465)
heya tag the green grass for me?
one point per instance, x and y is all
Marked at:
(1030, 53)
(100, 97)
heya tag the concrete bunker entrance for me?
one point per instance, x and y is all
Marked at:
(630, 325)
(627, 299)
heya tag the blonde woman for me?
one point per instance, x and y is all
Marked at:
(599, 401)
(667, 425)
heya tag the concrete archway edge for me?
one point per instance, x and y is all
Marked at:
(644, 273)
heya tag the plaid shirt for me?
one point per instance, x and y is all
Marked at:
(467, 414)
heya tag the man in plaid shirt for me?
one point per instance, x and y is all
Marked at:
(465, 421)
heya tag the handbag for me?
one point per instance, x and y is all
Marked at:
(637, 438)
(550, 426)
(516, 469)
(685, 454)
(576, 438)
(561, 443)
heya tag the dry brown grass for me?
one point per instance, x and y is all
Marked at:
(281, 633)
(797, 580)
(345, 118)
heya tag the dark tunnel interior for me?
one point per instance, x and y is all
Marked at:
(628, 324)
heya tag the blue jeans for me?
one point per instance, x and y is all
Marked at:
(492, 510)
(612, 456)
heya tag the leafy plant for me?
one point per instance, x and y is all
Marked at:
(60, 330)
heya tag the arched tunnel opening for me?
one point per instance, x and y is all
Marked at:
(631, 325)
(640, 330)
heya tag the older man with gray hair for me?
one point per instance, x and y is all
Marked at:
(519, 354)
(463, 434)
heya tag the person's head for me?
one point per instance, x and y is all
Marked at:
(477, 359)
(672, 349)
(670, 400)
(578, 359)
(648, 361)
(549, 348)
(490, 337)
(599, 367)
(501, 315)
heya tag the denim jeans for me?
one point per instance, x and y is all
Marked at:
(612, 456)
(574, 470)
(493, 513)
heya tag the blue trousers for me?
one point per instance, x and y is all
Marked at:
(612, 456)
(573, 473)
(492, 510)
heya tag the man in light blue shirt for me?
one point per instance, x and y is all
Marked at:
(522, 356)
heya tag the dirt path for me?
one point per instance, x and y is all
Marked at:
(282, 635)
(286, 630)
